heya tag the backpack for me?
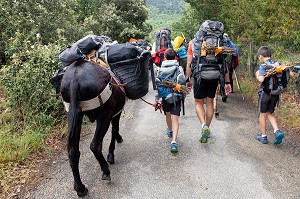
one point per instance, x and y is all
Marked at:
(81, 48)
(277, 83)
(182, 52)
(207, 63)
(162, 43)
(171, 73)
(163, 39)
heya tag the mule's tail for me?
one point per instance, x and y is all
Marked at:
(74, 110)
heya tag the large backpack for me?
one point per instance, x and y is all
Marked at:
(277, 83)
(209, 63)
(171, 73)
(163, 39)
(162, 43)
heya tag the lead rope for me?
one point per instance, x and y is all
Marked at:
(157, 107)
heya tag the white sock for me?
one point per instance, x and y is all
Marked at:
(204, 125)
(173, 142)
(262, 135)
(276, 130)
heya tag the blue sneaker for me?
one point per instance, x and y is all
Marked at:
(205, 134)
(278, 136)
(263, 140)
(169, 133)
(174, 147)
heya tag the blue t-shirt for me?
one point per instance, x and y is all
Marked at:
(262, 69)
(230, 44)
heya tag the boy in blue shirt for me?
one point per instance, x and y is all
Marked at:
(267, 102)
(172, 103)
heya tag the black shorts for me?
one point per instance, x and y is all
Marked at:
(207, 88)
(170, 107)
(267, 103)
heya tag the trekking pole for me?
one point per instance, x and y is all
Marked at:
(238, 83)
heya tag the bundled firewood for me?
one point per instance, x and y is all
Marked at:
(228, 51)
(224, 50)
(277, 69)
(171, 84)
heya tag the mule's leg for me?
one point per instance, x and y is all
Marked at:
(96, 147)
(74, 155)
(114, 136)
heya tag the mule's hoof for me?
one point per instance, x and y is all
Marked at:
(82, 193)
(106, 177)
(111, 158)
(119, 139)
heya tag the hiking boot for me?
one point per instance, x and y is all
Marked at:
(169, 133)
(263, 140)
(205, 134)
(278, 136)
(174, 147)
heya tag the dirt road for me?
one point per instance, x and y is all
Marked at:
(231, 165)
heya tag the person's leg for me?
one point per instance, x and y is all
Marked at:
(209, 110)
(175, 113)
(230, 78)
(169, 121)
(278, 135)
(199, 103)
(272, 121)
(262, 122)
(175, 126)
(262, 137)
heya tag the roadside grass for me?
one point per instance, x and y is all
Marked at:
(21, 153)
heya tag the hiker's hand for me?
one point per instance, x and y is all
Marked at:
(157, 106)
(227, 89)
(189, 85)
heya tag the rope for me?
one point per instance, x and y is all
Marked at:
(156, 106)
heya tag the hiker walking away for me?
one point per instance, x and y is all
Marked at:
(207, 68)
(231, 60)
(180, 47)
(162, 42)
(167, 97)
(269, 93)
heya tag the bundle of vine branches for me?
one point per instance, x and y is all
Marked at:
(272, 71)
(171, 84)
(224, 50)
(228, 51)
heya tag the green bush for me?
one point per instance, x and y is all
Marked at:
(32, 111)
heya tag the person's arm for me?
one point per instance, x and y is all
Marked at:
(188, 71)
(227, 87)
(260, 74)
